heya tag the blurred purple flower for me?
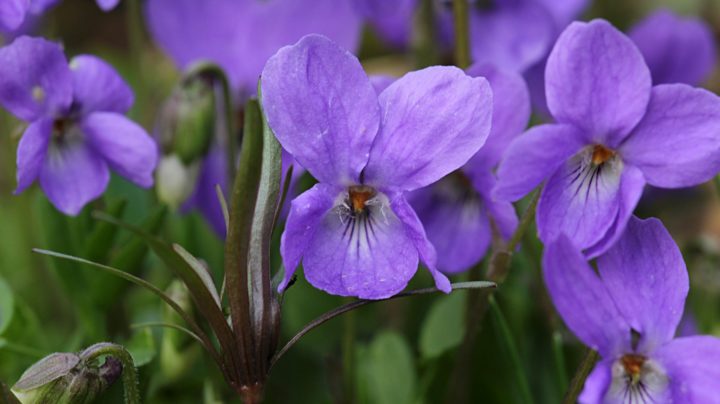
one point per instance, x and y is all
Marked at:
(457, 210)
(614, 133)
(392, 20)
(629, 314)
(12, 13)
(18, 17)
(77, 128)
(676, 49)
(510, 34)
(354, 231)
(240, 35)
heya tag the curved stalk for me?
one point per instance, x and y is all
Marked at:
(360, 303)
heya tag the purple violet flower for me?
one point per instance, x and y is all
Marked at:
(457, 210)
(676, 49)
(629, 312)
(354, 231)
(77, 130)
(614, 133)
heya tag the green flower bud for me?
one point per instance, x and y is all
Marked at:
(66, 378)
(178, 352)
(175, 181)
(187, 123)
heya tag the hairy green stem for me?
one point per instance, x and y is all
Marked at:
(129, 372)
(581, 374)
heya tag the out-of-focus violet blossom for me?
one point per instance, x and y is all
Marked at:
(457, 211)
(393, 20)
(629, 312)
(19, 16)
(676, 49)
(77, 131)
(240, 35)
(510, 34)
(615, 132)
(355, 232)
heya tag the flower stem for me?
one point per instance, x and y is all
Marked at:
(559, 355)
(424, 43)
(478, 305)
(129, 372)
(348, 353)
(462, 33)
(581, 374)
(507, 339)
(322, 319)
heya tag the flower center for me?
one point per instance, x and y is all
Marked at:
(633, 364)
(358, 197)
(601, 154)
(637, 379)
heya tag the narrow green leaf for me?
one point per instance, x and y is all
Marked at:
(223, 206)
(507, 340)
(99, 242)
(203, 298)
(200, 269)
(389, 370)
(207, 344)
(168, 325)
(129, 258)
(237, 244)
(444, 326)
(142, 347)
(7, 305)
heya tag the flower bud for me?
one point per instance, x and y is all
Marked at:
(178, 351)
(187, 123)
(66, 378)
(175, 181)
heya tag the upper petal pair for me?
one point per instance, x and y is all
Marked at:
(36, 81)
(326, 113)
(642, 285)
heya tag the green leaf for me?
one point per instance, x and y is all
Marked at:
(7, 305)
(207, 344)
(388, 370)
(200, 269)
(444, 326)
(507, 341)
(201, 295)
(254, 199)
(142, 347)
(99, 242)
